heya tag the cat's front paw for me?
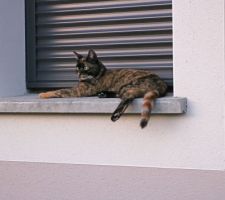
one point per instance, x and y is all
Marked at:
(43, 95)
(46, 95)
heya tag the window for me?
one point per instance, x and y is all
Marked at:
(125, 34)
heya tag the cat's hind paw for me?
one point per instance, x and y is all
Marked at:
(115, 116)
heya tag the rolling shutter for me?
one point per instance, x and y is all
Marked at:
(125, 34)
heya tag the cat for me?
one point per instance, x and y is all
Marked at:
(126, 84)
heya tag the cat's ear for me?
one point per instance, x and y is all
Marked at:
(78, 56)
(92, 55)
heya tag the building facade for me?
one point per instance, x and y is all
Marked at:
(86, 156)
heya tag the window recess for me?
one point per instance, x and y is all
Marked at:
(125, 34)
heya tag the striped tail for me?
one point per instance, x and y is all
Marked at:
(147, 107)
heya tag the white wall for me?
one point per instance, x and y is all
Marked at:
(194, 140)
(12, 48)
(199, 75)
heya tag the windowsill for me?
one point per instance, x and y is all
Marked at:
(30, 103)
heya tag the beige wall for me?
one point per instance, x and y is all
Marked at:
(39, 181)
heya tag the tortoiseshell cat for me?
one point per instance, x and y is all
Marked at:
(127, 84)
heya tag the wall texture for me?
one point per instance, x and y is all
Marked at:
(12, 51)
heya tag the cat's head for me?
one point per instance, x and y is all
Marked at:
(88, 67)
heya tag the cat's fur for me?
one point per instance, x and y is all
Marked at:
(127, 84)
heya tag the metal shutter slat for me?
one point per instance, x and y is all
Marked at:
(48, 7)
(103, 30)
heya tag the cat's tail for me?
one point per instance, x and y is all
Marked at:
(147, 107)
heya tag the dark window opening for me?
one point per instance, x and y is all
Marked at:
(125, 34)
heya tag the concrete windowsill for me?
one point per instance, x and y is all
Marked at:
(30, 103)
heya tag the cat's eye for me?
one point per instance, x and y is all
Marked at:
(86, 68)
